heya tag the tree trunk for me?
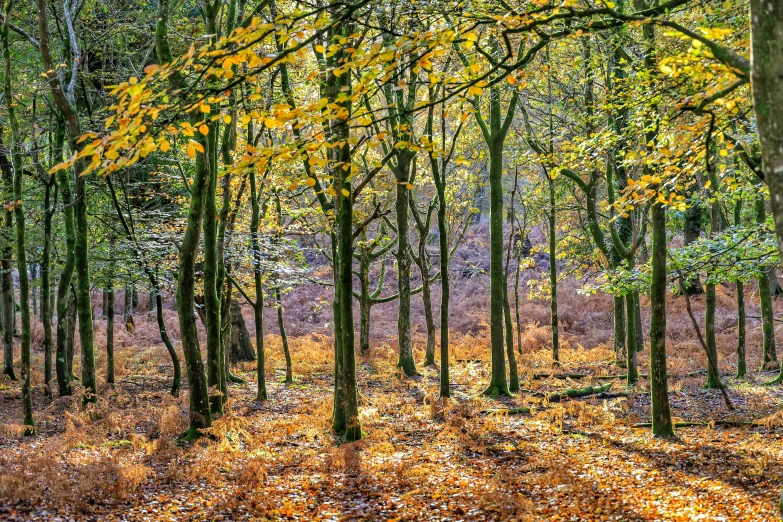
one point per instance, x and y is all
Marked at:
(553, 273)
(769, 353)
(619, 327)
(741, 364)
(21, 252)
(498, 385)
(659, 387)
(200, 415)
(128, 310)
(443, 238)
(70, 334)
(289, 374)
(46, 303)
(429, 320)
(405, 361)
(110, 334)
(343, 201)
(258, 306)
(241, 348)
(9, 314)
(513, 375)
(631, 340)
(691, 232)
(365, 303)
(215, 370)
(62, 357)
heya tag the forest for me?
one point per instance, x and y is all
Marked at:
(401, 260)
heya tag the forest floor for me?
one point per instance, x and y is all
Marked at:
(422, 458)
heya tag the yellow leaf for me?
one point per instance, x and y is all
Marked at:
(204, 108)
(227, 119)
(345, 193)
(165, 146)
(320, 48)
(270, 123)
(723, 152)
(511, 80)
(203, 129)
(409, 186)
(310, 182)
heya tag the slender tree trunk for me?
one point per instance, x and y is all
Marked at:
(46, 308)
(164, 336)
(128, 307)
(215, 371)
(21, 252)
(659, 388)
(429, 319)
(353, 429)
(713, 375)
(200, 415)
(364, 301)
(9, 314)
(289, 374)
(741, 364)
(110, 334)
(70, 334)
(405, 361)
(83, 294)
(631, 340)
(517, 271)
(513, 375)
(258, 306)
(638, 318)
(619, 327)
(765, 300)
(553, 273)
(691, 233)
(443, 238)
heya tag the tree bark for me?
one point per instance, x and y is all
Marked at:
(241, 347)
(21, 251)
(110, 333)
(289, 374)
(659, 386)
(200, 415)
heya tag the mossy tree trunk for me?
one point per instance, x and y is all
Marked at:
(438, 167)
(289, 373)
(769, 353)
(19, 214)
(659, 387)
(258, 305)
(713, 372)
(200, 414)
(46, 282)
(63, 99)
(7, 284)
(553, 272)
(741, 363)
(110, 325)
(423, 223)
